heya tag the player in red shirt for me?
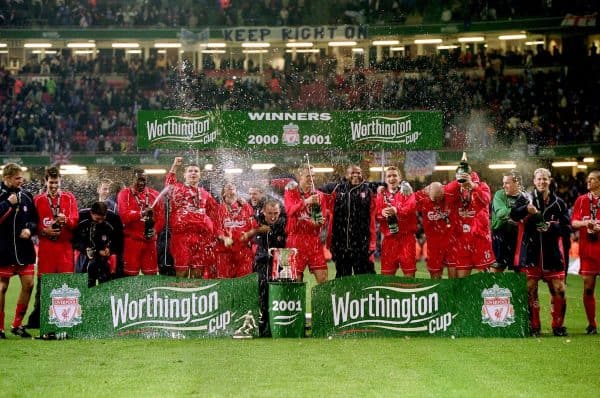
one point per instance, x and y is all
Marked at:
(397, 216)
(57, 218)
(143, 215)
(306, 209)
(439, 223)
(192, 211)
(473, 249)
(235, 218)
(586, 219)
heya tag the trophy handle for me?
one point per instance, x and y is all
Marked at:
(271, 251)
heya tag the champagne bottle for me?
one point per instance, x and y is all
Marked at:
(592, 235)
(149, 224)
(538, 217)
(540, 223)
(463, 167)
(392, 220)
(316, 212)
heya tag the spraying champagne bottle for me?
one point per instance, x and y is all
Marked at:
(392, 220)
(463, 168)
(316, 212)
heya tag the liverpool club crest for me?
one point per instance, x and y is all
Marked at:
(65, 311)
(291, 134)
(497, 310)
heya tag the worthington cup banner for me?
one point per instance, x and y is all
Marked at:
(148, 307)
(414, 130)
(483, 305)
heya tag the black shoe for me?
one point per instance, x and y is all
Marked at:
(2, 335)
(560, 331)
(591, 330)
(33, 323)
(535, 333)
(20, 331)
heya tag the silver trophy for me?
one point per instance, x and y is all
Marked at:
(283, 262)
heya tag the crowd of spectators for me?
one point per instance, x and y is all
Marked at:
(69, 105)
(200, 13)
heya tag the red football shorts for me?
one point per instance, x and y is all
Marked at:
(22, 270)
(140, 255)
(191, 251)
(310, 253)
(398, 251)
(55, 258)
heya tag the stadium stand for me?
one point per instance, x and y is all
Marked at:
(76, 107)
(198, 13)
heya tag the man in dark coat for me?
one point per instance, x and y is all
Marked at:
(541, 256)
(98, 236)
(269, 234)
(352, 229)
(18, 223)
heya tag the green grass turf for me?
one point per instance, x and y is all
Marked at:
(381, 367)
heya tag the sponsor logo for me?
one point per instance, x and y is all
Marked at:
(388, 129)
(186, 129)
(16, 160)
(291, 134)
(437, 215)
(230, 223)
(497, 310)
(466, 213)
(400, 309)
(584, 150)
(65, 311)
(171, 308)
(106, 160)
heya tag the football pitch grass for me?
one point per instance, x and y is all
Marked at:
(352, 367)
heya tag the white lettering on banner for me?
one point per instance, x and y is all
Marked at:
(284, 33)
(181, 129)
(418, 312)
(276, 116)
(385, 129)
(156, 310)
(219, 322)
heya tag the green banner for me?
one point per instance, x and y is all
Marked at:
(25, 160)
(149, 307)
(415, 130)
(484, 305)
(573, 151)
